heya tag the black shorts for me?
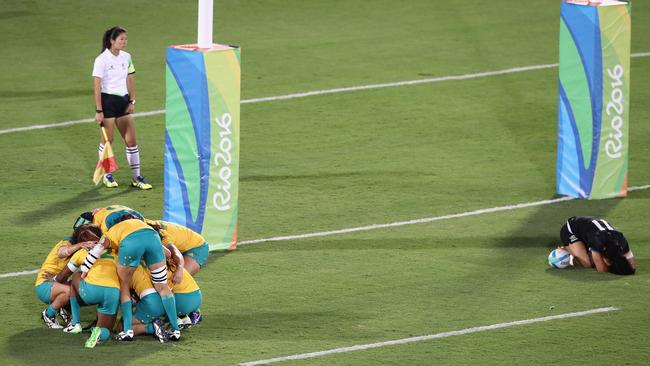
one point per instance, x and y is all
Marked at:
(566, 237)
(114, 106)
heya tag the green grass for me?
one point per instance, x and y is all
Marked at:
(330, 162)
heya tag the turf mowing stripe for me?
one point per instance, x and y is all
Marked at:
(429, 337)
(383, 226)
(323, 92)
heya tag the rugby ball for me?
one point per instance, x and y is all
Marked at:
(559, 258)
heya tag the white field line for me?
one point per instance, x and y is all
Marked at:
(429, 337)
(322, 92)
(384, 226)
(409, 222)
(421, 220)
(70, 123)
(16, 274)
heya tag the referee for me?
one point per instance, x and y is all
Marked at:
(115, 100)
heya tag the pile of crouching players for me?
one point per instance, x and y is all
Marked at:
(114, 259)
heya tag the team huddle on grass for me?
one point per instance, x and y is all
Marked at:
(115, 258)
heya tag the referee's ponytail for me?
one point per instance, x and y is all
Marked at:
(111, 35)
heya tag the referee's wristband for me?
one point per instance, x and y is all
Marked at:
(98, 111)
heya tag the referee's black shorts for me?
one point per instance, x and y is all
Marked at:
(114, 106)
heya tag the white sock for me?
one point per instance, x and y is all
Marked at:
(133, 157)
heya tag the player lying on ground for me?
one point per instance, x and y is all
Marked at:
(56, 295)
(593, 242)
(192, 245)
(126, 232)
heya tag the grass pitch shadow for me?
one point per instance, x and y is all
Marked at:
(40, 94)
(42, 346)
(14, 14)
(288, 325)
(638, 194)
(590, 275)
(542, 228)
(73, 206)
